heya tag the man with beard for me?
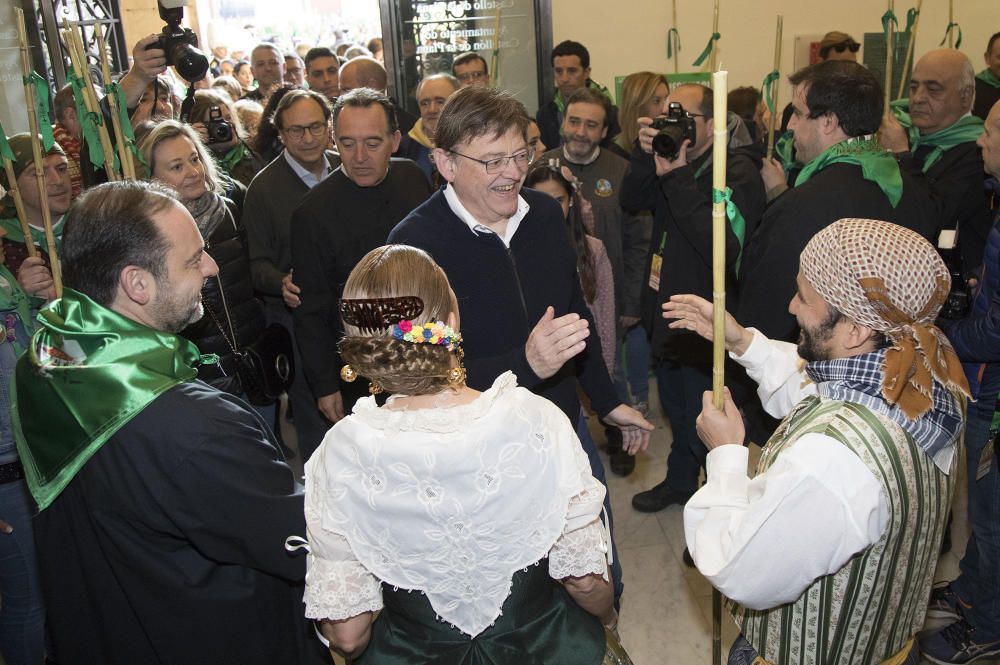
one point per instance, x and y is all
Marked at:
(165, 503)
(600, 173)
(829, 552)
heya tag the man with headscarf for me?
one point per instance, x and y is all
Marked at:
(828, 554)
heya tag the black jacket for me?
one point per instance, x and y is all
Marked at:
(503, 292)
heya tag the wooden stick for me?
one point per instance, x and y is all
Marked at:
(495, 60)
(78, 58)
(909, 53)
(719, 222)
(124, 154)
(887, 92)
(22, 217)
(714, 57)
(775, 88)
(951, 23)
(36, 153)
(677, 49)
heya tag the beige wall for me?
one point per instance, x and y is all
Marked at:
(141, 18)
(627, 36)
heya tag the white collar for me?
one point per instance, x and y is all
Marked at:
(451, 196)
(304, 174)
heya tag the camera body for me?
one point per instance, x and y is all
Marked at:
(956, 305)
(180, 45)
(219, 131)
(673, 128)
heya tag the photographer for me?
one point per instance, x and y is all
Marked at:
(676, 182)
(220, 129)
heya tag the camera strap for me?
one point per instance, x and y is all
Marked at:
(187, 105)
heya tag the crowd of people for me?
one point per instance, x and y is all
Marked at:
(444, 303)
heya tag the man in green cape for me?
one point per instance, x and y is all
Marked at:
(165, 503)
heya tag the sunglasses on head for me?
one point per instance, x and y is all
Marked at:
(840, 48)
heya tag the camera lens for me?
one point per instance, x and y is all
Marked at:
(667, 143)
(191, 63)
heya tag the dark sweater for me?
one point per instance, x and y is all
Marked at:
(336, 224)
(502, 293)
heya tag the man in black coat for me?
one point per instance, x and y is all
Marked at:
(679, 190)
(338, 222)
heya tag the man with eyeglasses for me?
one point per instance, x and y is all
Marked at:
(295, 70)
(337, 223)
(507, 255)
(470, 69)
(268, 67)
(302, 118)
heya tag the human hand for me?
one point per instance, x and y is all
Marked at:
(635, 429)
(719, 428)
(290, 292)
(35, 278)
(147, 64)
(665, 166)
(331, 406)
(892, 136)
(694, 313)
(553, 341)
(773, 175)
(6, 528)
(646, 134)
(202, 130)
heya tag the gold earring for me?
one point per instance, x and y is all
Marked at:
(374, 388)
(456, 377)
(348, 374)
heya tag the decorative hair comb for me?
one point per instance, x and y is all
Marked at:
(378, 314)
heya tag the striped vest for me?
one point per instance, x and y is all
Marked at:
(867, 610)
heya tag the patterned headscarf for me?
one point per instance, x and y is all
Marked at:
(890, 279)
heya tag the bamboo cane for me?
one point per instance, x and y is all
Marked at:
(495, 60)
(714, 57)
(36, 153)
(719, 114)
(22, 217)
(909, 52)
(775, 88)
(887, 92)
(124, 155)
(951, 23)
(677, 50)
(78, 59)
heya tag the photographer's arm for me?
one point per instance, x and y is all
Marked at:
(146, 66)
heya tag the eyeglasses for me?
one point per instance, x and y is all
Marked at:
(470, 76)
(493, 166)
(298, 131)
(840, 48)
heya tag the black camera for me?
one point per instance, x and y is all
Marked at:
(180, 45)
(219, 131)
(959, 299)
(673, 128)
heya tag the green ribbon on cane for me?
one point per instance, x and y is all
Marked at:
(947, 31)
(767, 88)
(736, 221)
(911, 19)
(42, 105)
(5, 149)
(126, 124)
(672, 37)
(89, 122)
(708, 49)
(888, 18)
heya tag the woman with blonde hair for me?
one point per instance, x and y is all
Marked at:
(644, 95)
(470, 519)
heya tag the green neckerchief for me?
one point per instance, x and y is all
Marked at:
(561, 103)
(966, 130)
(987, 76)
(235, 155)
(87, 372)
(877, 165)
(13, 228)
(14, 299)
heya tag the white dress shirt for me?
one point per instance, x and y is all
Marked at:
(451, 196)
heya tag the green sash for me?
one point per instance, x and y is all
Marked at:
(987, 76)
(87, 372)
(966, 130)
(876, 164)
(13, 228)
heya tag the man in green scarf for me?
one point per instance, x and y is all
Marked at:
(33, 273)
(165, 503)
(933, 135)
(988, 80)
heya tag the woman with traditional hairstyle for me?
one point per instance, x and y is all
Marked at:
(470, 519)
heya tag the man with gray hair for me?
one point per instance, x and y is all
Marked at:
(932, 133)
(828, 553)
(268, 66)
(432, 92)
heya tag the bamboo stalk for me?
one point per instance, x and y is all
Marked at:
(22, 217)
(495, 64)
(909, 52)
(78, 58)
(677, 50)
(36, 153)
(124, 155)
(776, 88)
(887, 92)
(719, 147)
(714, 57)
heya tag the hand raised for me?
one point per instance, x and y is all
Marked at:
(553, 341)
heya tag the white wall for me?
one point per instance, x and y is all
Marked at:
(625, 36)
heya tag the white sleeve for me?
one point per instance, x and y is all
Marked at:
(583, 547)
(337, 585)
(761, 542)
(779, 372)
